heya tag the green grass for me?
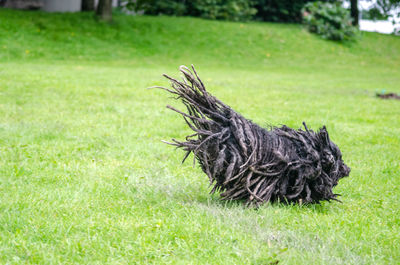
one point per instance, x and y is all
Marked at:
(85, 179)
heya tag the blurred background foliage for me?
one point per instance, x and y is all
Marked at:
(235, 10)
(326, 18)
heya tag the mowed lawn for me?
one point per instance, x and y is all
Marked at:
(85, 178)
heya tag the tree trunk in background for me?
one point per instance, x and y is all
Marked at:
(104, 9)
(354, 11)
(87, 5)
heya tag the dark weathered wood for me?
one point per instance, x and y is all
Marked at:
(247, 162)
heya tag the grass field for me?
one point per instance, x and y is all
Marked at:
(85, 179)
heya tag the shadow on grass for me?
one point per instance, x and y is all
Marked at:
(215, 201)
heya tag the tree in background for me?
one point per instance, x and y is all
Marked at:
(329, 20)
(282, 10)
(389, 9)
(384, 10)
(236, 10)
(87, 5)
(354, 11)
(388, 6)
(104, 10)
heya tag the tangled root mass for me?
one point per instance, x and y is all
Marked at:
(246, 162)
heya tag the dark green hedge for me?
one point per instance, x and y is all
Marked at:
(235, 10)
(281, 10)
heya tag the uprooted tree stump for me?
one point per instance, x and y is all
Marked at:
(246, 162)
